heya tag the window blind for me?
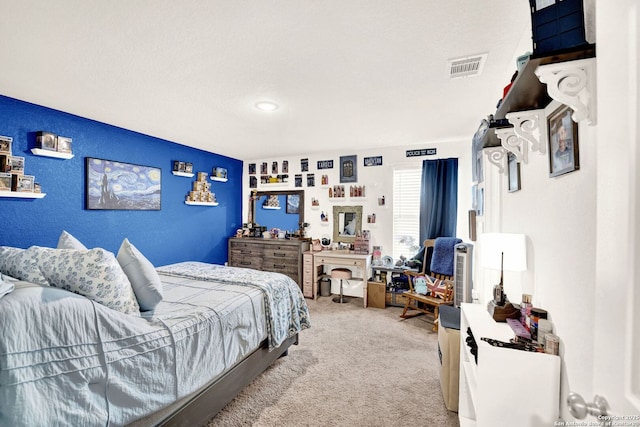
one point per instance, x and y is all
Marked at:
(406, 212)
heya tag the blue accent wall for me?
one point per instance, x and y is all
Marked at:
(176, 232)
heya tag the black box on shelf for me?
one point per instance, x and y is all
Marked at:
(557, 25)
(46, 141)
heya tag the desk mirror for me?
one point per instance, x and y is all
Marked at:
(287, 216)
(347, 222)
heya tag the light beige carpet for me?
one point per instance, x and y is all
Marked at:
(354, 367)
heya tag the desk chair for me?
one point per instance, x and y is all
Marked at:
(439, 280)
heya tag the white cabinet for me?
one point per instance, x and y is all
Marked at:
(506, 387)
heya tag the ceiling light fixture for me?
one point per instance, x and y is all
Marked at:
(266, 106)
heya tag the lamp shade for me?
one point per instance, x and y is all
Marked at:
(513, 246)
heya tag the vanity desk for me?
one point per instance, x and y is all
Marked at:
(358, 263)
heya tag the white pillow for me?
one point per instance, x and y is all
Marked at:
(67, 241)
(19, 263)
(142, 275)
(93, 273)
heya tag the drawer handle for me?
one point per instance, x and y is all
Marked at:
(279, 254)
(245, 262)
(279, 266)
(245, 252)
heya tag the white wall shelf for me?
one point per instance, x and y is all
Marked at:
(271, 207)
(200, 203)
(22, 195)
(217, 178)
(49, 153)
(185, 174)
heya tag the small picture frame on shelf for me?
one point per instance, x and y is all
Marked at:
(178, 166)
(63, 144)
(252, 168)
(5, 181)
(563, 142)
(22, 183)
(188, 167)
(5, 144)
(46, 141)
(219, 173)
(5, 163)
(16, 165)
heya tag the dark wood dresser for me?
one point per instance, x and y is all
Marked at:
(277, 255)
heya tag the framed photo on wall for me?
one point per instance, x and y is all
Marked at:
(513, 173)
(349, 168)
(293, 203)
(113, 185)
(563, 142)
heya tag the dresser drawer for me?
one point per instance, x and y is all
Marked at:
(279, 267)
(246, 261)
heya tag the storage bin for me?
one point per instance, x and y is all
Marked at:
(557, 25)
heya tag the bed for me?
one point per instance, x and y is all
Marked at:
(68, 358)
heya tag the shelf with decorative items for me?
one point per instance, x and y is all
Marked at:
(184, 174)
(14, 183)
(181, 168)
(22, 194)
(274, 180)
(272, 202)
(51, 145)
(520, 124)
(315, 204)
(201, 203)
(48, 153)
(201, 194)
(219, 174)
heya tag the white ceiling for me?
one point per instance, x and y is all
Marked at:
(347, 74)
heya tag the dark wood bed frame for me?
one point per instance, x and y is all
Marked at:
(203, 406)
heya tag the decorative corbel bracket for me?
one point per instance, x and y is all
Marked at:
(572, 83)
(530, 126)
(498, 157)
(514, 144)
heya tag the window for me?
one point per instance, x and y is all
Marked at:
(406, 212)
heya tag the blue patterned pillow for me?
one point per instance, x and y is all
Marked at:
(19, 263)
(93, 273)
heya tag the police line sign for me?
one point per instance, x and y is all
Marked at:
(421, 152)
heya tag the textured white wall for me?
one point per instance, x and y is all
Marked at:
(378, 181)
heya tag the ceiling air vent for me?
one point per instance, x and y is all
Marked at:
(466, 66)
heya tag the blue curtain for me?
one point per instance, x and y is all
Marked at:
(439, 199)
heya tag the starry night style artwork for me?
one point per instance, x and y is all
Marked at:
(121, 186)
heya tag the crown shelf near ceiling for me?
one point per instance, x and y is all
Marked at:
(527, 92)
(49, 153)
(22, 195)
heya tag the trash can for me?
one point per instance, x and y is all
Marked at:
(325, 287)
